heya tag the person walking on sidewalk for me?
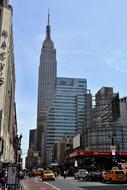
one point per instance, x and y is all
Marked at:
(65, 174)
(2, 179)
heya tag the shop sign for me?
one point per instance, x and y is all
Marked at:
(12, 174)
(76, 163)
(3, 50)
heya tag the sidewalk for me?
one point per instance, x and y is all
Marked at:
(35, 184)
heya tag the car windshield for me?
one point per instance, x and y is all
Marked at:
(47, 172)
(119, 172)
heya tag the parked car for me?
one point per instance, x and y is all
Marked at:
(81, 173)
(48, 175)
(94, 175)
(114, 176)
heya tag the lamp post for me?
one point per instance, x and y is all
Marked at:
(18, 156)
(113, 147)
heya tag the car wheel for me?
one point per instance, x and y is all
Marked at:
(90, 178)
(103, 180)
(110, 180)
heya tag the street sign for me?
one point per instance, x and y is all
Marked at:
(113, 149)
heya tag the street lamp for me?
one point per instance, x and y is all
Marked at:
(18, 154)
(113, 147)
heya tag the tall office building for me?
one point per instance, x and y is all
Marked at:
(46, 82)
(33, 156)
(67, 113)
(102, 124)
(8, 124)
(107, 134)
(121, 130)
(32, 139)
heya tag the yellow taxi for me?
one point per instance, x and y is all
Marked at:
(48, 175)
(39, 171)
(114, 176)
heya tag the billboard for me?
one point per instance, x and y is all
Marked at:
(76, 141)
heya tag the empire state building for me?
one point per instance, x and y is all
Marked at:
(46, 82)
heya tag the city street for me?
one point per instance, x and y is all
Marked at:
(68, 184)
(35, 184)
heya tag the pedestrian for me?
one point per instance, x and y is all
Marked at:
(64, 174)
(2, 179)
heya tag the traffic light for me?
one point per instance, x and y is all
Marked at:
(116, 106)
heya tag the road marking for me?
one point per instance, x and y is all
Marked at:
(54, 187)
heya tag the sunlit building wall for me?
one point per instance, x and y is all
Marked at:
(8, 124)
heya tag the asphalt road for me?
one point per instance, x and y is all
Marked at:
(71, 184)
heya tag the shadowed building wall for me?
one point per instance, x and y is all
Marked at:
(46, 82)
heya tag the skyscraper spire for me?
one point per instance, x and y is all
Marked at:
(48, 17)
(48, 30)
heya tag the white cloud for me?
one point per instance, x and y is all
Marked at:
(117, 60)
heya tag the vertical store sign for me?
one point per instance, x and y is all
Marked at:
(3, 57)
(3, 52)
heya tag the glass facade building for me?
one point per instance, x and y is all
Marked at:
(67, 113)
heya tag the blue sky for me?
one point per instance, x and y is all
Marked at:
(90, 37)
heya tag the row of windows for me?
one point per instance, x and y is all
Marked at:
(51, 138)
(56, 133)
(66, 125)
(64, 107)
(69, 88)
(73, 94)
(56, 120)
(63, 101)
(61, 121)
(65, 113)
(61, 124)
(60, 129)
(69, 97)
(99, 139)
(57, 104)
(62, 117)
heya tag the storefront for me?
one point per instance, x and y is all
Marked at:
(94, 159)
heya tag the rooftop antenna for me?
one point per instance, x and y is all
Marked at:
(48, 16)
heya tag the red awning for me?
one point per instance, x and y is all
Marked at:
(85, 153)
